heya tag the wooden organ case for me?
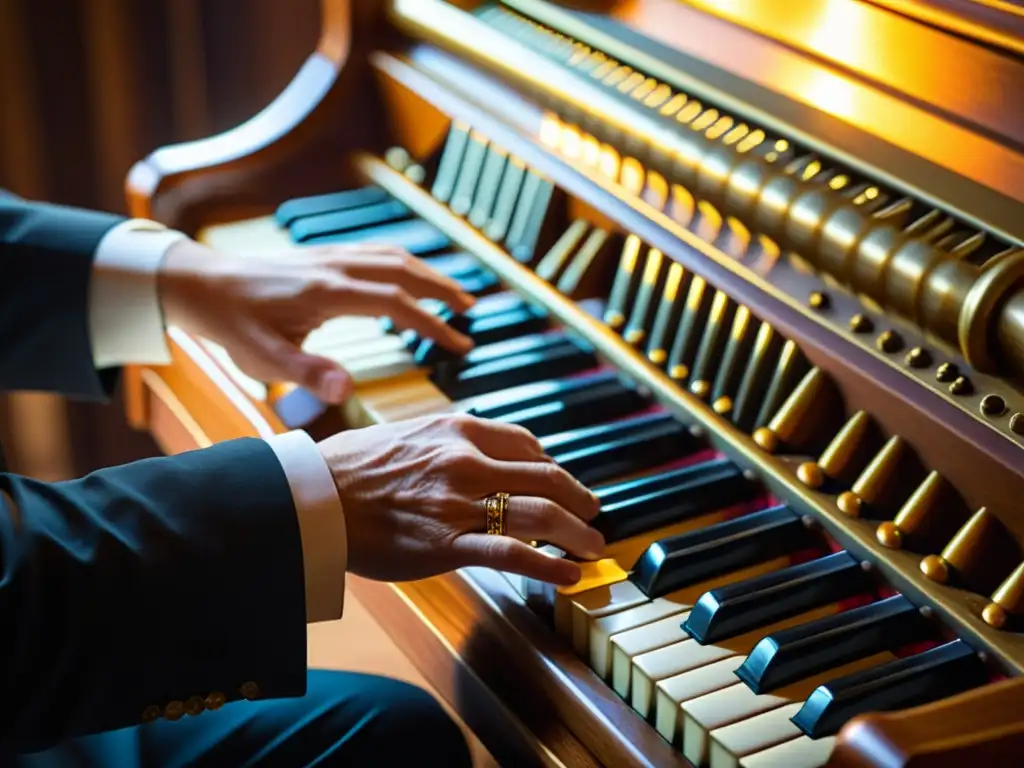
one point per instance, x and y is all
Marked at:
(788, 236)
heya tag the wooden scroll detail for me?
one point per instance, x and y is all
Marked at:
(982, 727)
(329, 107)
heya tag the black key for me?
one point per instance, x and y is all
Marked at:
(576, 409)
(818, 646)
(489, 329)
(489, 368)
(479, 283)
(337, 222)
(747, 605)
(295, 209)
(639, 486)
(498, 404)
(517, 322)
(598, 434)
(416, 236)
(453, 265)
(636, 445)
(697, 556)
(945, 670)
(699, 488)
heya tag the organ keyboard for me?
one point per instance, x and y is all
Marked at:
(758, 291)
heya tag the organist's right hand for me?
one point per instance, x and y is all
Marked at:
(261, 308)
(414, 494)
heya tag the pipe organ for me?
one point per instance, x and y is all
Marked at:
(754, 272)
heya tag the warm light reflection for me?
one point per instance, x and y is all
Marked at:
(632, 178)
(550, 130)
(571, 142)
(830, 94)
(590, 153)
(608, 163)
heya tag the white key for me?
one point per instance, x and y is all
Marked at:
(733, 742)
(672, 691)
(345, 329)
(383, 366)
(343, 353)
(638, 643)
(798, 753)
(602, 630)
(739, 705)
(652, 667)
(715, 710)
(579, 607)
(594, 605)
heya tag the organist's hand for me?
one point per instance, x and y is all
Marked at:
(413, 494)
(261, 308)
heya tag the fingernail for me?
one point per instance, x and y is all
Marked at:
(335, 385)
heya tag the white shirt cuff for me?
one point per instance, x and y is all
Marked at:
(126, 324)
(321, 523)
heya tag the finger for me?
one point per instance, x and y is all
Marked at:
(285, 361)
(535, 519)
(546, 480)
(504, 553)
(420, 281)
(504, 442)
(394, 302)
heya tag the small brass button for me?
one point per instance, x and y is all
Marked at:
(961, 386)
(861, 324)
(918, 358)
(810, 474)
(818, 300)
(1017, 423)
(946, 372)
(249, 690)
(194, 705)
(215, 700)
(993, 405)
(174, 710)
(150, 713)
(889, 341)
(701, 389)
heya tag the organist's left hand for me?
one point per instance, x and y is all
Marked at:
(261, 308)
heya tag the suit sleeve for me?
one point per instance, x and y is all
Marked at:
(142, 591)
(46, 255)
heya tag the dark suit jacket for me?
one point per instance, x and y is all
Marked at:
(155, 582)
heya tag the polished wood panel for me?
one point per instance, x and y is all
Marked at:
(982, 727)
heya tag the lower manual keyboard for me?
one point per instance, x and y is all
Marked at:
(717, 613)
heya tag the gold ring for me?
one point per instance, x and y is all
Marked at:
(496, 504)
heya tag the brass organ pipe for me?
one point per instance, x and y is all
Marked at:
(955, 301)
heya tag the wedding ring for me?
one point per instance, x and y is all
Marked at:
(496, 504)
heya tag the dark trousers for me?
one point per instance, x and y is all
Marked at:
(345, 719)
